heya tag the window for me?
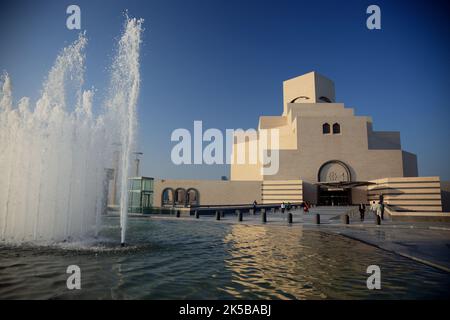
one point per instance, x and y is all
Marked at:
(299, 99)
(167, 197)
(325, 128)
(336, 128)
(147, 184)
(135, 184)
(192, 197)
(180, 197)
(325, 99)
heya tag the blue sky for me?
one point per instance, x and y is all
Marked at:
(214, 60)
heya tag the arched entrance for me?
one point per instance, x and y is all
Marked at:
(334, 171)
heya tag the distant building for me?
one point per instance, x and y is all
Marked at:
(327, 156)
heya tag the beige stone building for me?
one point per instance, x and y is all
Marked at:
(327, 156)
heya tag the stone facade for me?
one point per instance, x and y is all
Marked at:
(420, 194)
(208, 192)
(306, 144)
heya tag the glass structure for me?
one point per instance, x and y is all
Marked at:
(140, 195)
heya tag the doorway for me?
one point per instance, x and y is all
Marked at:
(334, 196)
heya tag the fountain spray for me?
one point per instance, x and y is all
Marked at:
(53, 156)
(125, 84)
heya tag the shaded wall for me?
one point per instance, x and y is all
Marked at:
(445, 195)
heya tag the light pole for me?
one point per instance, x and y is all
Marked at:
(137, 160)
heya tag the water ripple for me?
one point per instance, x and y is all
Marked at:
(205, 260)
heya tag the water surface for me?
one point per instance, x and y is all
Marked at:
(170, 259)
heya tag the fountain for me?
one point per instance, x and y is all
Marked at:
(53, 156)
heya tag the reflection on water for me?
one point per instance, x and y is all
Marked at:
(207, 260)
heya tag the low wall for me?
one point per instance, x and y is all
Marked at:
(417, 216)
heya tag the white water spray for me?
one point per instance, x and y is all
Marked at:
(53, 157)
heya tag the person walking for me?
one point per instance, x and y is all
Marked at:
(362, 210)
(373, 207)
(283, 206)
(381, 202)
(254, 206)
(305, 207)
(379, 210)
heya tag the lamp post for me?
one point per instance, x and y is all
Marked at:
(137, 160)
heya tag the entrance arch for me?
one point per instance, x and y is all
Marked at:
(334, 171)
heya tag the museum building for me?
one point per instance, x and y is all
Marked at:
(327, 156)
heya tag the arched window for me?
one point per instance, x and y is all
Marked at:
(325, 99)
(336, 128)
(180, 197)
(325, 128)
(300, 99)
(167, 197)
(192, 197)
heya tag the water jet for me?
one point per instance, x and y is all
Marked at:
(54, 156)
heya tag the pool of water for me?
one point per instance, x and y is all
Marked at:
(170, 259)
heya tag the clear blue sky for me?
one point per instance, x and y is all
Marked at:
(213, 60)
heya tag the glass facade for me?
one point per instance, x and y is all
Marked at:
(140, 195)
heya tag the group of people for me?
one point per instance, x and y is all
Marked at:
(375, 207)
(287, 206)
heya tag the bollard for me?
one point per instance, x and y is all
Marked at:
(239, 214)
(289, 218)
(378, 220)
(217, 215)
(345, 219)
(177, 213)
(317, 218)
(263, 216)
(197, 214)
